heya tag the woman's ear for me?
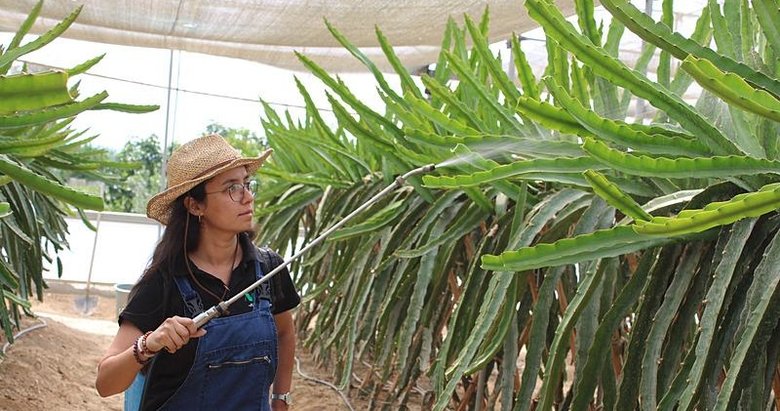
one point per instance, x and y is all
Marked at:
(193, 207)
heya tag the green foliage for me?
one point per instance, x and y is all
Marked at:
(133, 187)
(556, 226)
(38, 147)
(134, 173)
(244, 140)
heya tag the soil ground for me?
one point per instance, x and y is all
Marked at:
(53, 367)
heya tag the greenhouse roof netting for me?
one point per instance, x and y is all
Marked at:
(268, 31)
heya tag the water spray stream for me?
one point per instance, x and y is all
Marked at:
(485, 150)
(217, 310)
(462, 159)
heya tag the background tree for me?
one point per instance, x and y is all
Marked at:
(132, 188)
(128, 188)
(243, 139)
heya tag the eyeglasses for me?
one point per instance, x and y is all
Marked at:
(236, 191)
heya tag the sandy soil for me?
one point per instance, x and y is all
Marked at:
(53, 367)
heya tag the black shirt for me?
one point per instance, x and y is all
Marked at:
(156, 298)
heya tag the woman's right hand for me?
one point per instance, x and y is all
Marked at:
(173, 334)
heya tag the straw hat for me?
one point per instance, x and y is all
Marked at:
(193, 163)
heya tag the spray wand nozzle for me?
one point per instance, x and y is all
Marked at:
(220, 308)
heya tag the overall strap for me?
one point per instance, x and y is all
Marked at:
(192, 302)
(264, 291)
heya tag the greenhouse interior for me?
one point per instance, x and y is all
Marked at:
(494, 205)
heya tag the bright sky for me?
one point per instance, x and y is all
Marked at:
(212, 89)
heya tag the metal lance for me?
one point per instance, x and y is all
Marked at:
(217, 310)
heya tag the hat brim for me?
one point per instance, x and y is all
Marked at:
(160, 205)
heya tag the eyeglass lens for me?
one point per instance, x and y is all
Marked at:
(236, 191)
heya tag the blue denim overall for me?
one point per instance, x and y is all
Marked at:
(235, 362)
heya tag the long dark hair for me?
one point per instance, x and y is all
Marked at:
(169, 253)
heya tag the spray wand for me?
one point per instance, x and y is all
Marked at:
(217, 310)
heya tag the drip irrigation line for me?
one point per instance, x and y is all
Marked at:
(333, 387)
(25, 331)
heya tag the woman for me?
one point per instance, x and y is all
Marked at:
(205, 256)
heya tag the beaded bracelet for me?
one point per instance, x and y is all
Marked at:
(141, 352)
(137, 352)
(144, 348)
